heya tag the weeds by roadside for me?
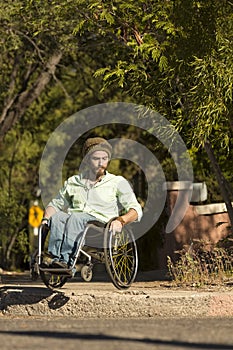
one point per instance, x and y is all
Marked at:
(201, 265)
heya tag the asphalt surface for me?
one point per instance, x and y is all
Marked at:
(114, 334)
(151, 314)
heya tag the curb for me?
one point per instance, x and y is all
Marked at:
(102, 300)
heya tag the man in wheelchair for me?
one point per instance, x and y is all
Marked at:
(94, 194)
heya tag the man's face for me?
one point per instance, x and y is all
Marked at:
(99, 162)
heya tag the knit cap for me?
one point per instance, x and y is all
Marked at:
(97, 144)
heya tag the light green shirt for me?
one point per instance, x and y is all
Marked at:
(104, 200)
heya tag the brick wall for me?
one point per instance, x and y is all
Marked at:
(208, 222)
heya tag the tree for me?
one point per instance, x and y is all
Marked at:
(210, 95)
(59, 57)
(47, 74)
(177, 59)
(35, 36)
(16, 181)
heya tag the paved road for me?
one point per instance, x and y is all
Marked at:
(71, 333)
(150, 315)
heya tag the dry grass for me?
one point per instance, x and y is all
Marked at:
(198, 266)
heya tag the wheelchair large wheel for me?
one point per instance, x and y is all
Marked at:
(53, 280)
(121, 258)
(50, 279)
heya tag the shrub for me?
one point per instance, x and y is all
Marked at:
(202, 264)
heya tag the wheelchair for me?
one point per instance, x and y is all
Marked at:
(117, 250)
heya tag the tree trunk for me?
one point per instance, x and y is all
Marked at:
(9, 249)
(20, 104)
(223, 184)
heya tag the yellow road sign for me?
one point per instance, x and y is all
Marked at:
(35, 216)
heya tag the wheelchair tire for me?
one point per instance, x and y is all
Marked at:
(121, 257)
(53, 280)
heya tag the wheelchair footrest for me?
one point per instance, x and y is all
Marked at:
(57, 271)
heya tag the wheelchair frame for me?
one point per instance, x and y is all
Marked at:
(119, 254)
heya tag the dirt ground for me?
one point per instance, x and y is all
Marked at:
(146, 298)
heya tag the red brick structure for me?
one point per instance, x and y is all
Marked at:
(207, 222)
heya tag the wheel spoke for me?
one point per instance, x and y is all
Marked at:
(53, 281)
(121, 257)
(123, 262)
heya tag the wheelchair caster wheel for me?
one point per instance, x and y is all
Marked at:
(86, 273)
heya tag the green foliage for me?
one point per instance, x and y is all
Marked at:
(177, 59)
(21, 248)
(31, 31)
(142, 32)
(17, 182)
(213, 81)
(172, 56)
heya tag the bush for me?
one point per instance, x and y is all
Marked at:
(202, 264)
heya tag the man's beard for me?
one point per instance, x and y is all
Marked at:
(100, 172)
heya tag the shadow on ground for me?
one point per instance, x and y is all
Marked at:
(90, 337)
(12, 295)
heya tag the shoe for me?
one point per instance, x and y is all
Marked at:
(60, 265)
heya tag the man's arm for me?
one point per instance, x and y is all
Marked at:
(122, 220)
(128, 200)
(130, 216)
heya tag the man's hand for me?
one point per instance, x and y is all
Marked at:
(120, 221)
(116, 226)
